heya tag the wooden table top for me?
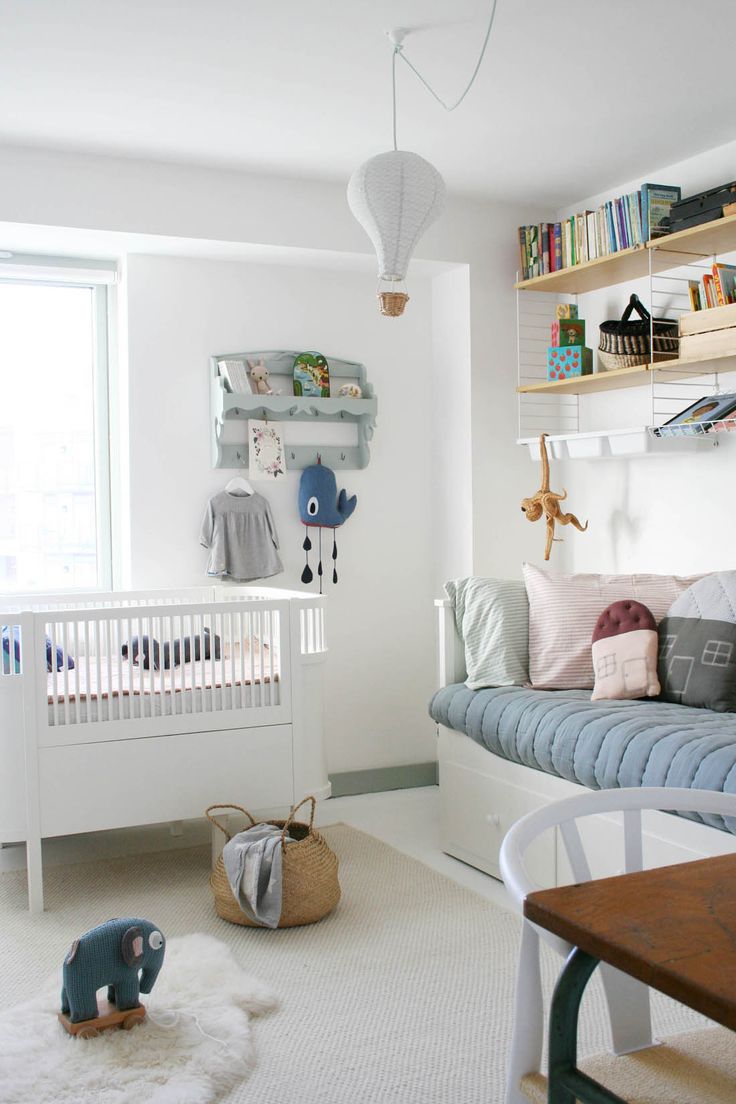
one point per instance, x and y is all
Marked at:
(674, 928)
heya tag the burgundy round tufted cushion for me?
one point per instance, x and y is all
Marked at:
(622, 617)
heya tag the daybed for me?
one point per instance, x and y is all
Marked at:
(96, 734)
(505, 752)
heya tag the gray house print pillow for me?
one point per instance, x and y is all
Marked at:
(697, 645)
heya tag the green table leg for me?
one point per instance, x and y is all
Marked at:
(566, 1084)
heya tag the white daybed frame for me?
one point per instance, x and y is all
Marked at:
(482, 795)
(111, 744)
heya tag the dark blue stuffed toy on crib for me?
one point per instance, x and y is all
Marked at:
(53, 662)
(321, 507)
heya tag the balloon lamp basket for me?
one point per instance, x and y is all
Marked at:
(392, 303)
(108, 1016)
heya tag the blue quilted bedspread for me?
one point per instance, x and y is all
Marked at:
(602, 745)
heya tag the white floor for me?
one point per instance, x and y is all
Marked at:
(406, 819)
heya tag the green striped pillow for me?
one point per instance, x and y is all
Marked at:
(492, 619)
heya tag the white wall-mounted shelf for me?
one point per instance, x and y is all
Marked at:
(614, 444)
(286, 407)
(572, 409)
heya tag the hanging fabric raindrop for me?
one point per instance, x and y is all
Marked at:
(334, 556)
(307, 574)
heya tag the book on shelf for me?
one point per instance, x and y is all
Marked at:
(657, 201)
(621, 223)
(235, 375)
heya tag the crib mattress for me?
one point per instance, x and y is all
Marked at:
(118, 689)
(602, 744)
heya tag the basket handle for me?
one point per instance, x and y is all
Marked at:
(292, 814)
(635, 304)
(217, 824)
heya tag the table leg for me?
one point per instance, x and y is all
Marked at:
(566, 1083)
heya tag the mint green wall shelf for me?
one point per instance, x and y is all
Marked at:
(226, 407)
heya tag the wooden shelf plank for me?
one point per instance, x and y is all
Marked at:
(630, 264)
(638, 376)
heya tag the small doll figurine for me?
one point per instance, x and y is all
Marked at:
(259, 378)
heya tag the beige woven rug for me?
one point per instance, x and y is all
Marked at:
(402, 995)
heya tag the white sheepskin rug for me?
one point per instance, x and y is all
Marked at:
(195, 1044)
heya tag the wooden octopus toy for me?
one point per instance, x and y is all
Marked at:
(547, 502)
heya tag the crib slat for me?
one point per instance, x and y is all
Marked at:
(53, 632)
(252, 659)
(86, 645)
(242, 622)
(119, 662)
(108, 672)
(65, 653)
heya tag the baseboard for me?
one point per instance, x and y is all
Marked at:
(384, 778)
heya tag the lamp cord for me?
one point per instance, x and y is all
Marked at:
(399, 50)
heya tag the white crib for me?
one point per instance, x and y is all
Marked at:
(232, 712)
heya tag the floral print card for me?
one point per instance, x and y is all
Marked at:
(266, 455)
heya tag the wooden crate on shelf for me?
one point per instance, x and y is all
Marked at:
(708, 333)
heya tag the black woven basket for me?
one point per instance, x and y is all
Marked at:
(625, 342)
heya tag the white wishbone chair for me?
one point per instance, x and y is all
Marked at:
(627, 999)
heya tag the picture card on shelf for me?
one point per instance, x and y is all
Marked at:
(266, 454)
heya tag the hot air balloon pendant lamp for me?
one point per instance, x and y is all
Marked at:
(321, 507)
(397, 195)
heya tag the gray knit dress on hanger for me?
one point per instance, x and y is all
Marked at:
(241, 536)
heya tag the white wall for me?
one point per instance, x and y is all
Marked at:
(666, 513)
(44, 188)
(380, 617)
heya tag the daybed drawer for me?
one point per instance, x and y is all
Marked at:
(86, 787)
(476, 812)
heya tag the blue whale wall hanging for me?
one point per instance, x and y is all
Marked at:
(321, 507)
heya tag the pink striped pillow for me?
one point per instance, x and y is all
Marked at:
(564, 609)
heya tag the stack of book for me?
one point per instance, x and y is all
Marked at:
(567, 355)
(622, 223)
(716, 289)
(708, 333)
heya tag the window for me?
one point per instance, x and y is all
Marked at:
(717, 653)
(54, 449)
(606, 665)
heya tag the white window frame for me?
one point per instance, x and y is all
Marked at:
(97, 275)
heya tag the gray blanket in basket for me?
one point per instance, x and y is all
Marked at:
(253, 866)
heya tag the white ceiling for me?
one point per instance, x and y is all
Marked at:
(574, 96)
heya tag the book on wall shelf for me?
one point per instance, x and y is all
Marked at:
(235, 375)
(621, 223)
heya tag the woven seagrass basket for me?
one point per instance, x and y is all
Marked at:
(625, 343)
(310, 888)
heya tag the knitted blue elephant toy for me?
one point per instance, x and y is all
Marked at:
(123, 954)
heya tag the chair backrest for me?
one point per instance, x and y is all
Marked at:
(631, 802)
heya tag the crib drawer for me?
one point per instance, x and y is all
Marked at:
(87, 787)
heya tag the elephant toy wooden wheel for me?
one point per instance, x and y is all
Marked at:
(108, 1016)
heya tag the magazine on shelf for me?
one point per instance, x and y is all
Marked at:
(700, 417)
